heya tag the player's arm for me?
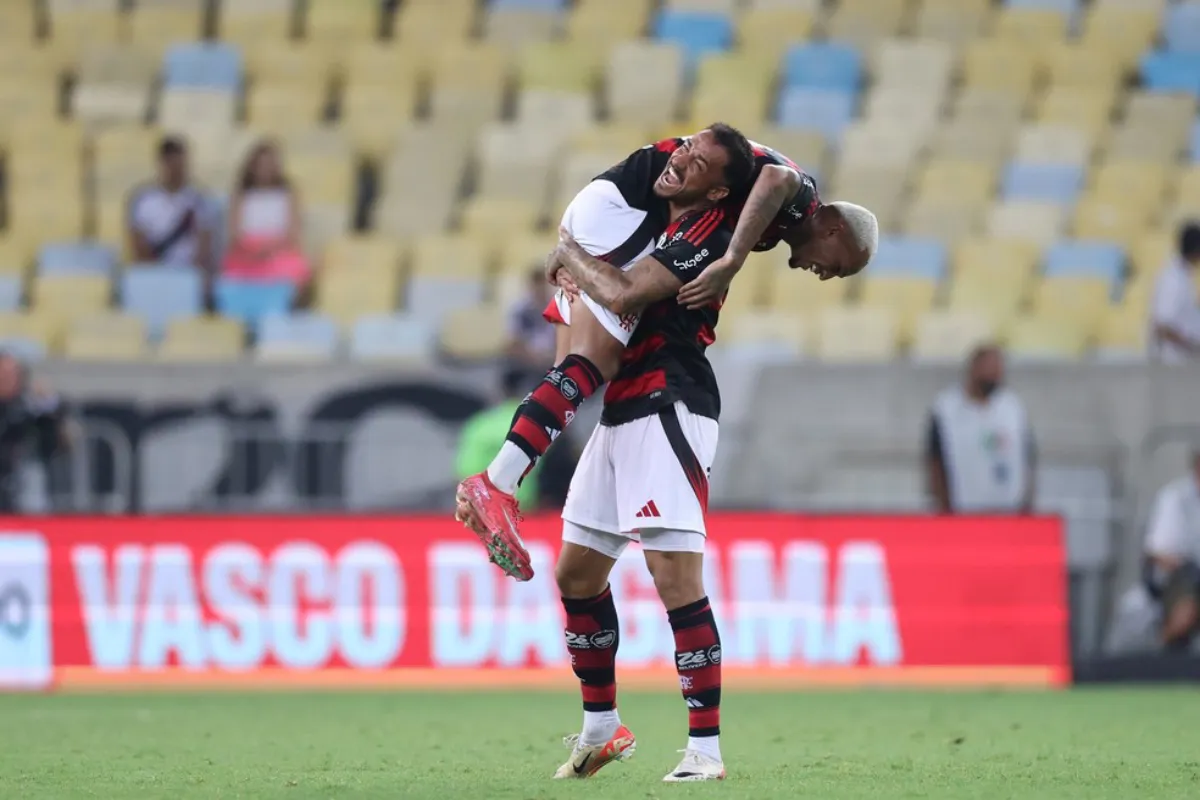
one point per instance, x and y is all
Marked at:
(652, 278)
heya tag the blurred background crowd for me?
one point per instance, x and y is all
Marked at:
(280, 219)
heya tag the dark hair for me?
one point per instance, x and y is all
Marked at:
(1189, 241)
(171, 146)
(740, 166)
(246, 177)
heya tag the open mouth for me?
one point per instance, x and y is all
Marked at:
(671, 177)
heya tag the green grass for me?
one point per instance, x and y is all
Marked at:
(1100, 744)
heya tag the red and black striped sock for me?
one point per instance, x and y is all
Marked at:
(549, 408)
(698, 662)
(593, 634)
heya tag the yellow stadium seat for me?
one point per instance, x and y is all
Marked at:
(321, 179)
(74, 25)
(1087, 108)
(958, 180)
(949, 335)
(558, 66)
(383, 63)
(731, 87)
(1039, 27)
(18, 23)
(15, 257)
(70, 295)
(54, 212)
(288, 63)
(1124, 330)
(559, 115)
(522, 254)
(1003, 259)
(420, 180)
(155, 24)
(105, 337)
(370, 253)
(277, 109)
(1000, 65)
(798, 291)
(516, 161)
(770, 31)
(1123, 32)
(1037, 223)
(376, 116)
(1053, 144)
(1138, 183)
(474, 334)
(41, 329)
(434, 22)
(439, 256)
(255, 23)
(515, 27)
(1081, 66)
(1109, 218)
(1152, 253)
(952, 21)
(36, 99)
(342, 22)
(777, 330)
(865, 22)
(974, 140)
(939, 217)
(346, 295)
(996, 301)
(113, 85)
(1187, 190)
(109, 219)
(905, 298)
(846, 335)
(608, 20)
(202, 339)
(193, 109)
(495, 219)
(1082, 301)
(632, 98)
(916, 63)
(610, 138)
(1041, 337)
(807, 148)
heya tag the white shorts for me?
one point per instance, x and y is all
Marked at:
(647, 477)
(606, 227)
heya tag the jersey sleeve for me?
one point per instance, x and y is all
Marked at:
(635, 176)
(694, 245)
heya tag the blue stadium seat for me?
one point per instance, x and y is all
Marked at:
(828, 112)
(1085, 259)
(250, 301)
(904, 257)
(1171, 72)
(71, 257)
(159, 294)
(1181, 27)
(529, 5)
(10, 293)
(311, 333)
(696, 32)
(23, 349)
(400, 337)
(823, 65)
(1047, 183)
(203, 66)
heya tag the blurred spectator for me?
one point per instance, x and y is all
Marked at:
(171, 221)
(264, 218)
(30, 414)
(1175, 323)
(980, 452)
(530, 338)
(1173, 557)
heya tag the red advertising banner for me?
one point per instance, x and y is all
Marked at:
(88, 602)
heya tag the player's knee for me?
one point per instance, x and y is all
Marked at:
(577, 576)
(678, 577)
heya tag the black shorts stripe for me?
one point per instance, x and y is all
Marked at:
(692, 468)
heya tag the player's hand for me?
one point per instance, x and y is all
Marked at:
(557, 276)
(711, 284)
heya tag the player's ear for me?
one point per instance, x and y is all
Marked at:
(718, 193)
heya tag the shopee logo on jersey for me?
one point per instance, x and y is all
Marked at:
(694, 260)
(303, 594)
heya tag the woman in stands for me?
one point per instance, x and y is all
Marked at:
(264, 218)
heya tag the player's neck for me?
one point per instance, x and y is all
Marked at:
(677, 211)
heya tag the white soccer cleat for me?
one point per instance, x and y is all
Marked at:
(696, 767)
(586, 760)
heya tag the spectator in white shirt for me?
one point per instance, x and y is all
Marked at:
(1173, 556)
(980, 454)
(530, 338)
(171, 221)
(1175, 323)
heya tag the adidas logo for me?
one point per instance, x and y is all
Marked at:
(648, 510)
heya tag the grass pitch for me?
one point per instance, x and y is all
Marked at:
(1096, 744)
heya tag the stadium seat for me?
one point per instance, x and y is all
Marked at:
(345, 294)
(608, 21)
(765, 336)
(917, 63)
(558, 66)
(855, 335)
(951, 21)
(81, 257)
(1042, 183)
(909, 258)
(1053, 144)
(253, 23)
(1044, 338)
(1171, 72)
(829, 66)
(196, 109)
(1124, 30)
(635, 100)
(1181, 27)
(696, 33)
(1068, 259)
(905, 298)
(158, 294)
(1123, 334)
(203, 66)
(948, 336)
(1108, 218)
(1084, 108)
(1001, 66)
(152, 24)
(105, 337)
(866, 22)
(296, 337)
(113, 85)
(770, 31)
(448, 274)
(1027, 221)
(825, 111)
(1078, 302)
(339, 22)
(248, 302)
(202, 339)
(394, 338)
(29, 332)
(473, 334)
(12, 289)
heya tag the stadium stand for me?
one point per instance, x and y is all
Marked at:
(446, 135)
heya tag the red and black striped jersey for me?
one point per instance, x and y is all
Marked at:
(665, 361)
(635, 177)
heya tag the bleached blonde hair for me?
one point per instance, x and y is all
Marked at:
(862, 225)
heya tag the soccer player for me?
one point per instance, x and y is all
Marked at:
(613, 216)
